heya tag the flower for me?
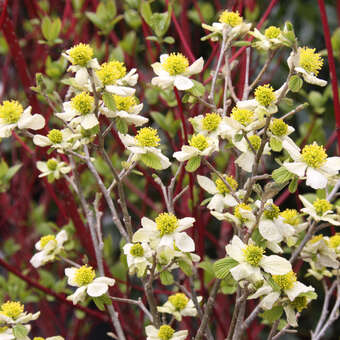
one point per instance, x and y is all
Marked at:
(199, 145)
(251, 260)
(313, 163)
(144, 147)
(165, 332)
(13, 115)
(270, 40)
(174, 70)
(211, 124)
(49, 247)
(221, 193)
(138, 257)
(179, 305)
(84, 278)
(80, 110)
(53, 168)
(12, 313)
(166, 230)
(307, 63)
(127, 109)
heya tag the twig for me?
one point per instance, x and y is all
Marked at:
(251, 317)
(229, 80)
(246, 79)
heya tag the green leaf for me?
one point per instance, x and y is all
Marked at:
(281, 175)
(169, 40)
(160, 22)
(99, 302)
(275, 144)
(193, 164)
(95, 19)
(186, 267)
(295, 83)
(151, 160)
(316, 99)
(45, 27)
(228, 285)
(109, 101)
(273, 314)
(293, 184)
(310, 295)
(241, 43)
(198, 89)
(20, 332)
(121, 125)
(166, 278)
(55, 29)
(12, 171)
(146, 12)
(222, 267)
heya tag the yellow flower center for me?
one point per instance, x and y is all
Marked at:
(110, 72)
(84, 275)
(3, 329)
(82, 103)
(165, 332)
(147, 137)
(253, 254)
(300, 303)
(310, 61)
(255, 141)
(243, 116)
(12, 309)
(81, 54)
(137, 250)
(178, 300)
(199, 142)
(272, 32)
(166, 223)
(52, 164)
(285, 281)
(38, 338)
(238, 213)
(315, 239)
(291, 216)
(271, 211)
(124, 103)
(231, 18)
(334, 241)
(222, 188)
(175, 63)
(278, 127)
(55, 136)
(211, 121)
(314, 155)
(265, 95)
(45, 239)
(11, 111)
(322, 206)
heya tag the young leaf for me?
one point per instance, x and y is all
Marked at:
(273, 314)
(275, 144)
(20, 332)
(151, 160)
(121, 125)
(109, 101)
(281, 175)
(99, 302)
(166, 278)
(222, 267)
(193, 164)
(186, 268)
(293, 184)
(295, 83)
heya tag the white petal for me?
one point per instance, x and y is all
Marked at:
(184, 242)
(246, 161)
(89, 121)
(291, 317)
(185, 223)
(6, 130)
(195, 67)
(41, 140)
(333, 163)
(297, 289)
(78, 295)
(275, 265)
(183, 83)
(207, 184)
(297, 168)
(315, 179)
(235, 249)
(120, 90)
(35, 122)
(97, 289)
(268, 301)
(269, 231)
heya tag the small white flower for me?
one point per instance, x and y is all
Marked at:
(49, 247)
(210, 125)
(174, 70)
(13, 115)
(167, 230)
(138, 257)
(12, 313)
(179, 305)
(271, 39)
(165, 332)
(53, 169)
(84, 278)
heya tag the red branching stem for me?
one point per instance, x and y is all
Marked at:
(3, 13)
(180, 109)
(331, 64)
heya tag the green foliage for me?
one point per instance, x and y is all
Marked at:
(166, 122)
(272, 314)
(6, 174)
(166, 278)
(222, 267)
(193, 164)
(295, 83)
(151, 160)
(50, 29)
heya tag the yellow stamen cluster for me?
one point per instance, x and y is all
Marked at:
(222, 188)
(166, 223)
(52, 164)
(243, 116)
(255, 141)
(315, 239)
(231, 18)
(137, 250)
(45, 239)
(310, 61)
(55, 136)
(253, 254)
(165, 332)
(211, 121)
(147, 137)
(285, 281)
(124, 103)
(334, 241)
(291, 216)
(81, 54)
(272, 32)
(178, 300)
(314, 155)
(278, 127)
(199, 142)
(110, 72)
(265, 95)
(82, 103)
(12, 309)
(175, 63)
(11, 111)
(84, 275)
(322, 206)
(300, 303)
(238, 213)
(38, 338)
(271, 211)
